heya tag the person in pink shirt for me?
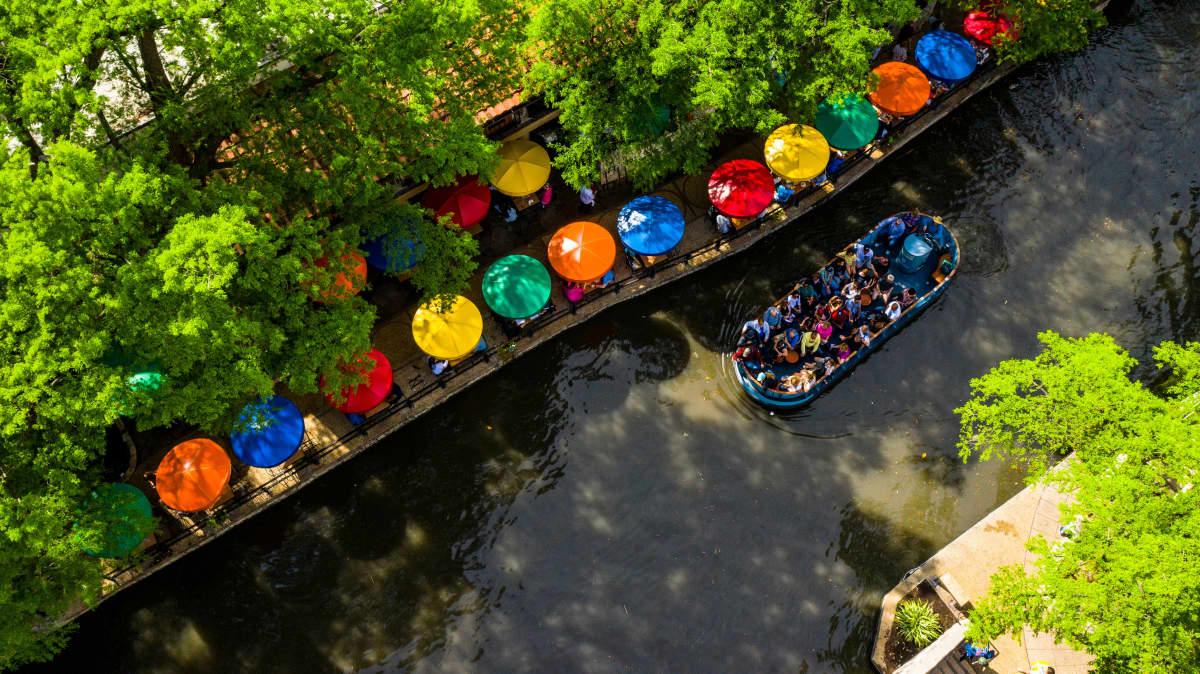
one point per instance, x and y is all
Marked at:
(547, 196)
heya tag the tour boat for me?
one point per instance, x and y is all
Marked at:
(925, 259)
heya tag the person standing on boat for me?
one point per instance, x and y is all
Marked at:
(826, 279)
(854, 308)
(862, 256)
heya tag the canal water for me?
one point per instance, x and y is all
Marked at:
(611, 503)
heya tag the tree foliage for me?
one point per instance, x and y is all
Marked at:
(652, 84)
(1124, 587)
(1043, 26)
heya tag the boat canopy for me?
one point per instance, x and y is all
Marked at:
(271, 430)
(796, 152)
(902, 89)
(451, 333)
(516, 286)
(524, 168)
(582, 252)
(946, 56)
(650, 225)
(741, 188)
(193, 475)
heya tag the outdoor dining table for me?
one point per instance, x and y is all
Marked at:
(650, 226)
(741, 188)
(448, 332)
(796, 152)
(848, 123)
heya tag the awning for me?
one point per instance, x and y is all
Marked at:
(847, 124)
(363, 397)
(986, 27)
(524, 168)
(796, 152)
(193, 475)
(650, 225)
(271, 432)
(516, 286)
(448, 334)
(946, 56)
(349, 278)
(741, 188)
(902, 89)
(582, 252)
(466, 201)
(126, 514)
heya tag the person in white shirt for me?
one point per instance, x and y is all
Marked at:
(724, 224)
(587, 199)
(899, 52)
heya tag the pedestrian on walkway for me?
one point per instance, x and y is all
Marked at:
(547, 196)
(587, 199)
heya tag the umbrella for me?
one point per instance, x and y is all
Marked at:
(848, 124)
(193, 475)
(582, 252)
(271, 432)
(350, 278)
(466, 201)
(524, 168)
(741, 188)
(393, 253)
(360, 398)
(986, 27)
(902, 89)
(516, 286)
(946, 56)
(650, 225)
(796, 152)
(125, 512)
(448, 334)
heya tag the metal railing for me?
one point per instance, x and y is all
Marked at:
(311, 455)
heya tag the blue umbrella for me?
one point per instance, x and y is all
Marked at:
(946, 56)
(271, 432)
(650, 225)
(392, 253)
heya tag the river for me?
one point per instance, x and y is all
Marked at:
(612, 503)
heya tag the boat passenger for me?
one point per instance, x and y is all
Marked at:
(809, 343)
(893, 310)
(886, 285)
(868, 284)
(844, 352)
(896, 231)
(766, 378)
(824, 329)
(862, 336)
(838, 315)
(854, 307)
(795, 299)
(840, 274)
(862, 255)
(825, 281)
(749, 355)
(908, 298)
(878, 321)
(802, 381)
(790, 317)
(758, 328)
(851, 260)
(773, 316)
(881, 265)
(806, 291)
(850, 290)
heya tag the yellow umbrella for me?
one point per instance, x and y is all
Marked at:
(451, 334)
(796, 152)
(524, 168)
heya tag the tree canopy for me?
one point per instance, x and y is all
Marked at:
(1124, 586)
(651, 85)
(1042, 26)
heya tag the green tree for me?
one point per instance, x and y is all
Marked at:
(652, 85)
(1124, 586)
(1043, 26)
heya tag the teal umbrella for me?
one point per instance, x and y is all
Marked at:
(516, 286)
(123, 513)
(847, 124)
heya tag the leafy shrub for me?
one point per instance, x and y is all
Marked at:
(917, 622)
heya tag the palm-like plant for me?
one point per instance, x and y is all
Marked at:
(917, 622)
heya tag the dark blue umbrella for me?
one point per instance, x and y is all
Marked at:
(392, 253)
(271, 432)
(946, 56)
(650, 225)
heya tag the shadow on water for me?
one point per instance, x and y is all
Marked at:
(613, 503)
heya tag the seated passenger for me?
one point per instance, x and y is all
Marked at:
(803, 380)
(824, 329)
(854, 308)
(766, 378)
(862, 255)
(809, 343)
(886, 285)
(826, 279)
(844, 352)
(806, 291)
(850, 259)
(748, 355)
(862, 336)
(773, 316)
(893, 310)
(758, 328)
(881, 265)
(840, 275)
(850, 290)
(837, 313)
(877, 322)
(896, 230)
(795, 301)
(908, 298)
(780, 346)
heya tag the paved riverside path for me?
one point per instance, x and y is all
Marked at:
(330, 439)
(995, 541)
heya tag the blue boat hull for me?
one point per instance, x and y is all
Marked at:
(788, 401)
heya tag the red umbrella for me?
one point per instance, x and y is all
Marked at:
(985, 26)
(741, 188)
(466, 201)
(358, 399)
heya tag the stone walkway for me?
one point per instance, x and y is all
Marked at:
(330, 439)
(970, 560)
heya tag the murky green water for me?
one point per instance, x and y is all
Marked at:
(612, 504)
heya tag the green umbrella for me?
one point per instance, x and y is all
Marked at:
(123, 514)
(516, 286)
(847, 124)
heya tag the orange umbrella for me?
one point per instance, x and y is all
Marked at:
(582, 252)
(192, 475)
(902, 90)
(351, 278)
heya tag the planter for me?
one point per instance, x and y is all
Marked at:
(897, 651)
